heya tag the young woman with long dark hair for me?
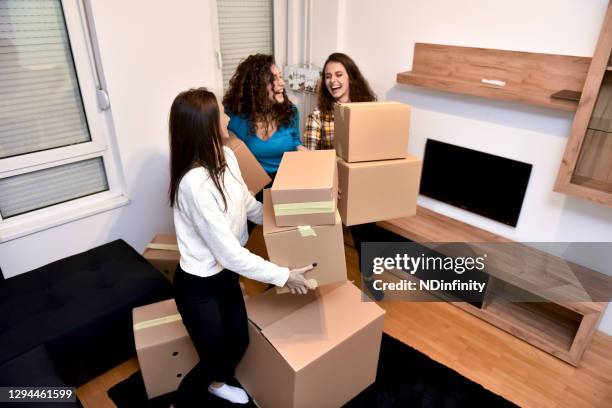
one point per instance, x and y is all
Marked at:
(211, 204)
(341, 81)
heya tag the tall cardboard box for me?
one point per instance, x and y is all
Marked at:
(299, 246)
(163, 253)
(366, 131)
(255, 177)
(378, 190)
(165, 351)
(316, 350)
(305, 189)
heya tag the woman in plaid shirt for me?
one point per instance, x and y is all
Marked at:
(341, 81)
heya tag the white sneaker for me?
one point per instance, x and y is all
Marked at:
(235, 395)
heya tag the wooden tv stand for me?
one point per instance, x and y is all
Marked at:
(563, 329)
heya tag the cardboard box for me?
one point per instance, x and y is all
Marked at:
(299, 246)
(378, 190)
(304, 191)
(165, 351)
(253, 174)
(316, 350)
(163, 253)
(366, 131)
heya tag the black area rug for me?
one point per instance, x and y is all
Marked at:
(405, 378)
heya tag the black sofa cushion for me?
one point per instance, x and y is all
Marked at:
(80, 307)
(32, 369)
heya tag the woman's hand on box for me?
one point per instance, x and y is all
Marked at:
(296, 283)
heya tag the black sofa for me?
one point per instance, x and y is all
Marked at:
(71, 320)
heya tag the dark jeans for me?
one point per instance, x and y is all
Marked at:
(362, 233)
(371, 232)
(365, 233)
(213, 312)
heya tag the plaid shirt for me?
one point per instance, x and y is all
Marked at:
(319, 133)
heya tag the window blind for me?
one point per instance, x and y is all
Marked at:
(245, 28)
(43, 188)
(41, 108)
(40, 100)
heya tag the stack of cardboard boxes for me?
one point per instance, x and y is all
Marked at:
(378, 179)
(301, 223)
(319, 349)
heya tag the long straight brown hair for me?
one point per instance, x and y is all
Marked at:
(195, 139)
(359, 89)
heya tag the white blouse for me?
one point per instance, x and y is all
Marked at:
(211, 239)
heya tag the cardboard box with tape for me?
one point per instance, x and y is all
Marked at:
(165, 351)
(304, 191)
(367, 131)
(302, 245)
(315, 350)
(255, 177)
(163, 253)
(378, 190)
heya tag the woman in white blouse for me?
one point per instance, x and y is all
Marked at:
(211, 205)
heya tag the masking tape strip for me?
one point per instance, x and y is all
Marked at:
(306, 231)
(157, 322)
(164, 247)
(313, 284)
(314, 207)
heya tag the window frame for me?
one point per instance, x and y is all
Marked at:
(101, 145)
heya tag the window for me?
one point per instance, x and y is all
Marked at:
(245, 27)
(55, 161)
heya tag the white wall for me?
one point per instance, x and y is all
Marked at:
(380, 36)
(150, 51)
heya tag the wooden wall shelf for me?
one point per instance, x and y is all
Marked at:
(529, 78)
(561, 328)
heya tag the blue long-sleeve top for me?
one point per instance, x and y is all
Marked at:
(268, 152)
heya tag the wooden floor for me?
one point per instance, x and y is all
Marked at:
(493, 358)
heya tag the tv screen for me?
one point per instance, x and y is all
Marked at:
(482, 183)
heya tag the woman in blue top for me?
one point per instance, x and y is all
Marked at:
(260, 113)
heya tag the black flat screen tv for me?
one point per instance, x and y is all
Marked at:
(485, 184)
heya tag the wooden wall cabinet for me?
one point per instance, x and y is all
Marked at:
(586, 168)
(524, 77)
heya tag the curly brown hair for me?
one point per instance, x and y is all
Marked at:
(359, 89)
(247, 94)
